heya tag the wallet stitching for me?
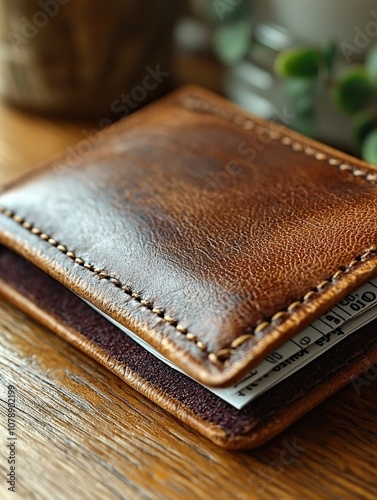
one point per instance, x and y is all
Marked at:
(102, 274)
(217, 358)
(273, 132)
(221, 356)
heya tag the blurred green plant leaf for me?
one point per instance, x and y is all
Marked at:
(371, 63)
(330, 53)
(231, 42)
(301, 94)
(304, 62)
(354, 90)
(369, 148)
(364, 123)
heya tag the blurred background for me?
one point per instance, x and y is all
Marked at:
(311, 65)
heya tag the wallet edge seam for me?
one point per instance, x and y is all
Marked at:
(247, 123)
(220, 357)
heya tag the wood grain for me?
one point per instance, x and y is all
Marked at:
(83, 434)
(26, 140)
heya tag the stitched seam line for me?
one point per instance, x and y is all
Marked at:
(222, 355)
(102, 274)
(246, 123)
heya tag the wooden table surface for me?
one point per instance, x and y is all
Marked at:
(83, 434)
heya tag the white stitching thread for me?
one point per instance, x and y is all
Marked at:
(214, 357)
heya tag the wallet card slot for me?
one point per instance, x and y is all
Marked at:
(46, 300)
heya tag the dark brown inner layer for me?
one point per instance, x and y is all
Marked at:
(52, 297)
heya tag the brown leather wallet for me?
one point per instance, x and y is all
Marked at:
(215, 237)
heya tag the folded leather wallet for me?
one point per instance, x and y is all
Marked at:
(213, 236)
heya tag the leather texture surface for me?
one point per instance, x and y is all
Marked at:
(55, 306)
(213, 235)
